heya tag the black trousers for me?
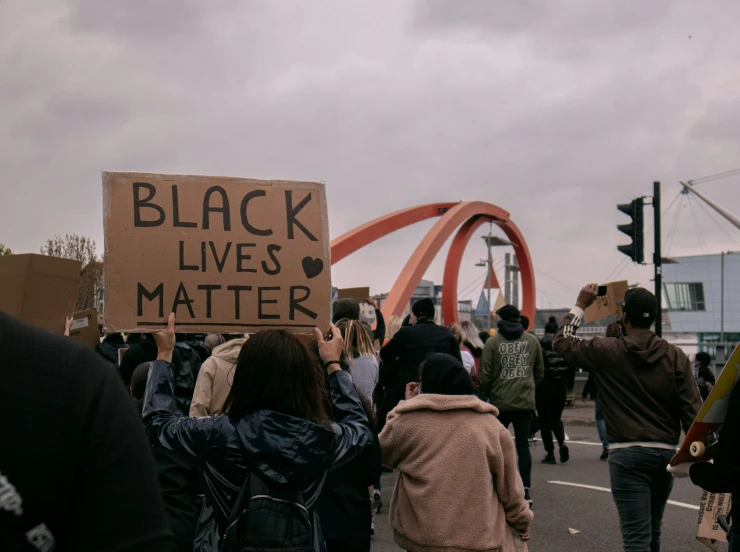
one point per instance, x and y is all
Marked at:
(521, 420)
(550, 399)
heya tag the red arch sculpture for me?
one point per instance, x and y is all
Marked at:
(466, 215)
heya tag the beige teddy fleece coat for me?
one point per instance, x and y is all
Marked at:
(458, 486)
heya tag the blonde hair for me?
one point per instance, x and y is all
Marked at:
(393, 325)
(456, 331)
(470, 334)
(357, 340)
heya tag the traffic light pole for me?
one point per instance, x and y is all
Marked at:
(658, 260)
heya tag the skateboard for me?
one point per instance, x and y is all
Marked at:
(702, 436)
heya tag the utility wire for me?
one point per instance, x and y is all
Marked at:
(698, 229)
(718, 176)
(672, 231)
(716, 222)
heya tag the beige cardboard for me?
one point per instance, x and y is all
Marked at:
(85, 327)
(39, 289)
(709, 532)
(233, 236)
(359, 294)
(607, 306)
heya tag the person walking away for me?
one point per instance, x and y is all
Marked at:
(350, 309)
(212, 341)
(473, 342)
(590, 391)
(511, 366)
(413, 344)
(705, 379)
(215, 379)
(648, 393)
(524, 321)
(456, 463)
(363, 362)
(363, 366)
(394, 324)
(550, 398)
(138, 385)
(76, 474)
(274, 429)
(344, 506)
(468, 361)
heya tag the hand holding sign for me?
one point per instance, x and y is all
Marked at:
(165, 340)
(331, 350)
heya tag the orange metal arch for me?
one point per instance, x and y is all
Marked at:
(470, 215)
(452, 266)
(351, 241)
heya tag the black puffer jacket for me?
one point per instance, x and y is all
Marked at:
(556, 367)
(282, 448)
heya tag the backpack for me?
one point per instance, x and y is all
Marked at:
(268, 517)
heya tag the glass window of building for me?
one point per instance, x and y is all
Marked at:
(685, 297)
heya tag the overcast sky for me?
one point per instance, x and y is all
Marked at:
(555, 111)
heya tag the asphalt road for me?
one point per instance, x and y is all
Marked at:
(560, 507)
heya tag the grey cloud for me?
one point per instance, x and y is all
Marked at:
(556, 115)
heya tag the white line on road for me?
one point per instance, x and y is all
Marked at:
(608, 490)
(577, 442)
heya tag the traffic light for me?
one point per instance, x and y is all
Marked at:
(635, 230)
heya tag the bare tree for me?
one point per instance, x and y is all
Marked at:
(4, 250)
(82, 249)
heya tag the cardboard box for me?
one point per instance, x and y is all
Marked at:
(360, 294)
(607, 306)
(39, 289)
(85, 328)
(223, 254)
(712, 505)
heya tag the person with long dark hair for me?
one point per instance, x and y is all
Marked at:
(705, 379)
(275, 426)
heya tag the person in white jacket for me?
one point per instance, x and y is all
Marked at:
(214, 379)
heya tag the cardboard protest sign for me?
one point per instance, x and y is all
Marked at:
(223, 254)
(359, 294)
(85, 328)
(709, 532)
(39, 289)
(607, 306)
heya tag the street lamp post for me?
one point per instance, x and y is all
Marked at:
(491, 241)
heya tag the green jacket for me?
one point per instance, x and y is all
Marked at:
(511, 366)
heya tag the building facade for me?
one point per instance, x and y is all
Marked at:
(701, 295)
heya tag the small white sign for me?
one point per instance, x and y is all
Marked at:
(80, 323)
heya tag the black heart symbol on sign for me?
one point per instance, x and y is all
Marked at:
(312, 267)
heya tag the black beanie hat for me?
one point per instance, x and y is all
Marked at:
(424, 308)
(552, 325)
(345, 308)
(443, 374)
(509, 313)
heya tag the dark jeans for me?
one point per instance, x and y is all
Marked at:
(600, 423)
(520, 419)
(550, 399)
(640, 487)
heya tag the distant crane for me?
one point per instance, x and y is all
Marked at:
(689, 188)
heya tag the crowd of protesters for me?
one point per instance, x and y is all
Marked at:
(273, 441)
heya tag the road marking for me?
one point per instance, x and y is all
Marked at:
(576, 442)
(608, 490)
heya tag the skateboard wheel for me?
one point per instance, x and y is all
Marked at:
(697, 449)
